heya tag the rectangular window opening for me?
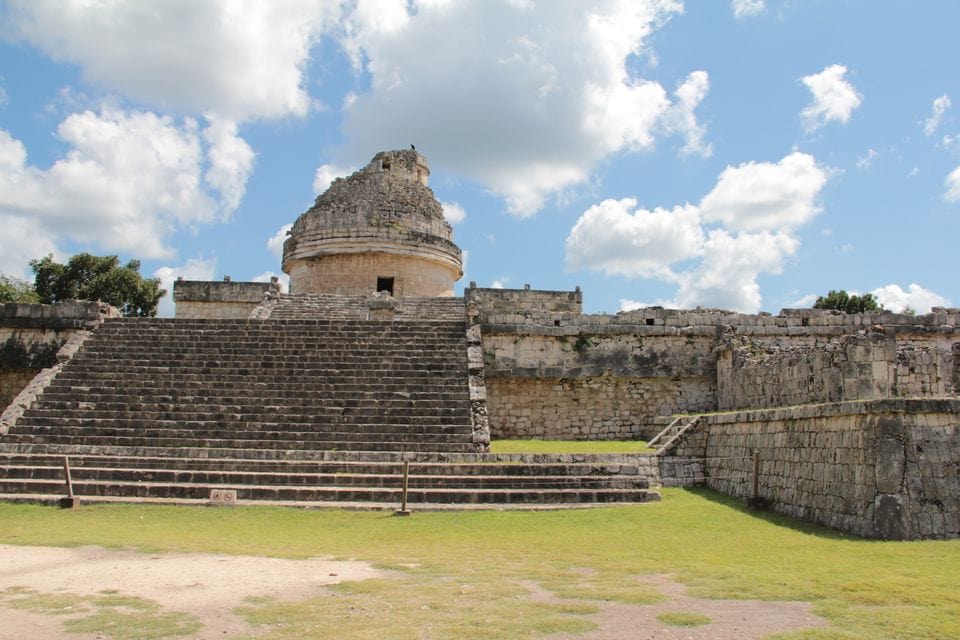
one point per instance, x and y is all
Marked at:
(385, 284)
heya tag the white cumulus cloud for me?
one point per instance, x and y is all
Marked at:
(275, 243)
(747, 8)
(538, 92)
(940, 106)
(921, 300)
(239, 60)
(128, 181)
(617, 238)
(834, 99)
(759, 206)
(759, 196)
(727, 276)
(453, 212)
(680, 117)
(231, 161)
(953, 186)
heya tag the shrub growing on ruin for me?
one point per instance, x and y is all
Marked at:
(89, 277)
(842, 301)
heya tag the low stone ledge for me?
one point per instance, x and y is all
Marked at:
(214, 291)
(68, 314)
(830, 409)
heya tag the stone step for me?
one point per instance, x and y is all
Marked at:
(342, 375)
(279, 335)
(264, 384)
(344, 409)
(372, 443)
(195, 452)
(344, 463)
(288, 493)
(322, 343)
(300, 432)
(308, 405)
(204, 324)
(257, 390)
(385, 415)
(320, 396)
(418, 478)
(425, 425)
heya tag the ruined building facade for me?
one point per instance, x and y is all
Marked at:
(856, 417)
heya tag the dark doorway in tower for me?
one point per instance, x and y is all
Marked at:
(385, 284)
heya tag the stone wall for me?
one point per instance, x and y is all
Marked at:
(211, 299)
(594, 386)
(863, 366)
(525, 306)
(545, 361)
(357, 273)
(588, 408)
(12, 381)
(882, 468)
(32, 334)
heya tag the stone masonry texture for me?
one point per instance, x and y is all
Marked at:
(882, 468)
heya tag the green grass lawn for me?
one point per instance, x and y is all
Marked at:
(569, 446)
(464, 574)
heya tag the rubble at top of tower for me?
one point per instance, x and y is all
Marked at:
(390, 191)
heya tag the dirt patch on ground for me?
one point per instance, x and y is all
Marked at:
(206, 586)
(729, 619)
(209, 587)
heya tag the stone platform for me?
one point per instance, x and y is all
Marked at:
(283, 410)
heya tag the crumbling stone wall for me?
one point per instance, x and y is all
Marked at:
(12, 382)
(588, 408)
(545, 361)
(881, 468)
(197, 299)
(863, 366)
(526, 306)
(544, 384)
(32, 334)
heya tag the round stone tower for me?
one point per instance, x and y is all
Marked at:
(381, 229)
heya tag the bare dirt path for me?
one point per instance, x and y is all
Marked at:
(730, 619)
(206, 586)
(209, 587)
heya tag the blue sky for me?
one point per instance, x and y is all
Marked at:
(747, 155)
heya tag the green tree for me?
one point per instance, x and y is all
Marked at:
(89, 277)
(16, 290)
(842, 301)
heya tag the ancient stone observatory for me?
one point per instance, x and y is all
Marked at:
(381, 229)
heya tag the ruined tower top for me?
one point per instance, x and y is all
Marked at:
(407, 163)
(379, 229)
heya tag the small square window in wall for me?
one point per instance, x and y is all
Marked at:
(385, 284)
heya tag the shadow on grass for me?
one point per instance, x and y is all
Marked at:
(771, 517)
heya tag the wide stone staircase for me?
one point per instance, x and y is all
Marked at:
(292, 411)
